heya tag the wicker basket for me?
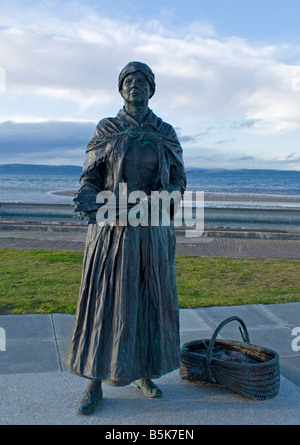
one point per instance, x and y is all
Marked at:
(250, 370)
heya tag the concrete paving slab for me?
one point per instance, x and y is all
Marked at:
(288, 313)
(278, 339)
(62, 324)
(50, 394)
(195, 335)
(27, 327)
(191, 320)
(29, 356)
(289, 368)
(252, 315)
(62, 345)
(51, 399)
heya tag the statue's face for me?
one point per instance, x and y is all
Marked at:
(136, 88)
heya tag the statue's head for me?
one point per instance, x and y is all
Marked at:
(138, 67)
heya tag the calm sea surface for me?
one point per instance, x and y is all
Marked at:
(228, 188)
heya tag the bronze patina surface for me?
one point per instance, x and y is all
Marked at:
(126, 327)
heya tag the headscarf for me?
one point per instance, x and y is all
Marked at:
(133, 67)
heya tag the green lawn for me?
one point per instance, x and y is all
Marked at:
(228, 281)
(44, 281)
(39, 281)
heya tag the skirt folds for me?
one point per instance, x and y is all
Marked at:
(127, 321)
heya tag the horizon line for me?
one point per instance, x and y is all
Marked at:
(186, 168)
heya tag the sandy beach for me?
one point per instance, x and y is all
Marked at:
(226, 197)
(251, 198)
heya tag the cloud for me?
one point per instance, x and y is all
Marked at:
(225, 141)
(293, 157)
(53, 142)
(77, 58)
(245, 125)
(287, 158)
(190, 138)
(214, 158)
(61, 67)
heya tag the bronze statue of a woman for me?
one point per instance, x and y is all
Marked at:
(126, 327)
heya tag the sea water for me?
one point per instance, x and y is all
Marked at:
(229, 195)
(247, 188)
(271, 188)
(37, 189)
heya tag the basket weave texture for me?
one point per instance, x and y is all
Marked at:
(250, 370)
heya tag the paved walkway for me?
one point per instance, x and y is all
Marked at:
(36, 388)
(240, 244)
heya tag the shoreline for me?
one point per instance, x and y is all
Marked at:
(209, 196)
(250, 198)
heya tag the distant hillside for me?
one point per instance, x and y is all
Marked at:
(32, 169)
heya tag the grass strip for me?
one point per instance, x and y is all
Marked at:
(47, 281)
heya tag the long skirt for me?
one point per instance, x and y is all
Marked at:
(126, 325)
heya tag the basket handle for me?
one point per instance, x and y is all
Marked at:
(244, 334)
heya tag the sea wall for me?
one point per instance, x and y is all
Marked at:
(213, 217)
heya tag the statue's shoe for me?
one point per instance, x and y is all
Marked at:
(148, 387)
(90, 400)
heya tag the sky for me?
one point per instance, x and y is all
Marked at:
(227, 77)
